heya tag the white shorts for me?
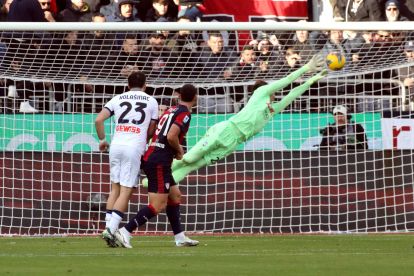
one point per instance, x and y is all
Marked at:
(125, 164)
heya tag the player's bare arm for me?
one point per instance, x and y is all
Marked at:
(100, 128)
(151, 129)
(174, 141)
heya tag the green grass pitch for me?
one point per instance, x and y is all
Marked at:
(390, 254)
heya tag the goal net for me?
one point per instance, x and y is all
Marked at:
(54, 78)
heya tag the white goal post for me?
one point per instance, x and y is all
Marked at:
(55, 77)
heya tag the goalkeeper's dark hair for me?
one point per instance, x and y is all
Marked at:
(188, 92)
(136, 80)
(257, 84)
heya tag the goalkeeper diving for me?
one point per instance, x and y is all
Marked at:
(222, 138)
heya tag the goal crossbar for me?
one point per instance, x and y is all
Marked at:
(204, 26)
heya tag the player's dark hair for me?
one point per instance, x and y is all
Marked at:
(188, 92)
(257, 84)
(136, 80)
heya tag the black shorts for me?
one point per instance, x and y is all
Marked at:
(160, 178)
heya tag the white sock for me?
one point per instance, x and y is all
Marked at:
(107, 219)
(180, 236)
(114, 222)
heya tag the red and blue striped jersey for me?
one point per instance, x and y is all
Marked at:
(159, 150)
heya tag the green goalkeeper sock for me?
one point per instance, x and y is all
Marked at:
(145, 182)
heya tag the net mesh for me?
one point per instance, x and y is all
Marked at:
(55, 181)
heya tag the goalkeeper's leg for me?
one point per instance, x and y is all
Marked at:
(180, 172)
(216, 154)
(206, 144)
(181, 169)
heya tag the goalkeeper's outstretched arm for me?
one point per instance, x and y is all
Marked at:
(296, 92)
(316, 64)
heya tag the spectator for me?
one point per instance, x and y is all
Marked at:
(392, 11)
(213, 58)
(4, 11)
(77, 11)
(96, 47)
(156, 59)
(185, 46)
(343, 134)
(45, 4)
(26, 11)
(382, 49)
(360, 40)
(337, 16)
(406, 74)
(125, 12)
(161, 12)
(292, 59)
(337, 44)
(302, 44)
(266, 53)
(360, 10)
(193, 11)
(126, 60)
(247, 66)
(109, 8)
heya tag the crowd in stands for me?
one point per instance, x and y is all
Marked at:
(183, 54)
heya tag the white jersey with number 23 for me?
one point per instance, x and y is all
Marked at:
(133, 112)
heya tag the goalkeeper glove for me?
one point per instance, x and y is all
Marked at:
(316, 64)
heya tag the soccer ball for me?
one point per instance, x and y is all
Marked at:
(335, 61)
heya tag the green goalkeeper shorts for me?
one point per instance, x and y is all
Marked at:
(219, 141)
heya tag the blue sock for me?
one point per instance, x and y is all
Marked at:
(173, 214)
(143, 215)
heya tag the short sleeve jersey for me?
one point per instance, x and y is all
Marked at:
(160, 152)
(133, 112)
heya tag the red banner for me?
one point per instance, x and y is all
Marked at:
(246, 10)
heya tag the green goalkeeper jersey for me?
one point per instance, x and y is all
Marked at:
(255, 115)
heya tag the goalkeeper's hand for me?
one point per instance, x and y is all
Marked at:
(316, 64)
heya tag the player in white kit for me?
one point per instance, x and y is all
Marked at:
(136, 115)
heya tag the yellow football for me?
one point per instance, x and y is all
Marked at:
(335, 61)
